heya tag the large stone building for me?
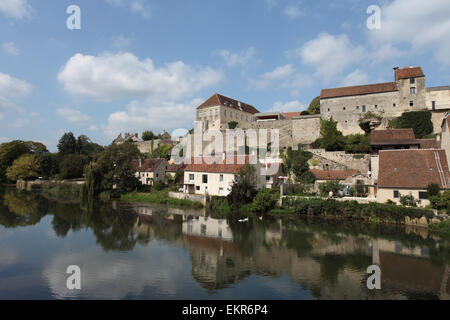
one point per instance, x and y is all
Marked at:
(407, 92)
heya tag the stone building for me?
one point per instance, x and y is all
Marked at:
(407, 92)
(445, 138)
(216, 112)
(149, 171)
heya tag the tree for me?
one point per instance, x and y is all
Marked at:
(68, 144)
(357, 143)
(9, 152)
(49, 164)
(331, 138)
(433, 189)
(148, 135)
(408, 201)
(333, 186)
(314, 106)
(163, 151)
(87, 147)
(264, 201)
(72, 166)
(24, 168)
(243, 190)
(232, 125)
(419, 121)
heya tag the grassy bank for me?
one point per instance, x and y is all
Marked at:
(441, 229)
(161, 197)
(373, 212)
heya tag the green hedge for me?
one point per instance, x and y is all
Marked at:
(354, 210)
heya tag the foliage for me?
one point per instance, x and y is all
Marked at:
(87, 147)
(24, 168)
(331, 138)
(360, 188)
(357, 143)
(9, 152)
(232, 125)
(161, 197)
(68, 144)
(366, 119)
(314, 106)
(264, 201)
(330, 186)
(433, 189)
(441, 229)
(296, 161)
(304, 113)
(219, 205)
(148, 135)
(49, 164)
(71, 166)
(112, 170)
(243, 190)
(162, 151)
(408, 201)
(441, 202)
(419, 121)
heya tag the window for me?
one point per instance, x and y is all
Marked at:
(411, 103)
(376, 106)
(364, 109)
(396, 194)
(433, 105)
(412, 90)
(412, 80)
(357, 107)
(394, 105)
(203, 229)
(220, 191)
(205, 178)
(423, 195)
(328, 109)
(191, 177)
(197, 188)
(344, 108)
(225, 113)
(221, 178)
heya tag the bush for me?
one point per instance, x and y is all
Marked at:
(419, 121)
(264, 201)
(330, 186)
(433, 189)
(304, 113)
(408, 201)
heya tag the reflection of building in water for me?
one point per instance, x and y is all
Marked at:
(208, 227)
(410, 270)
(148, 211)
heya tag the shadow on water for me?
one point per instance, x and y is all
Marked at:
(323, 259)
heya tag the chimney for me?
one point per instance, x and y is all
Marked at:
(396, 73)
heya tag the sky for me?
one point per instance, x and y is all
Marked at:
(139, 65)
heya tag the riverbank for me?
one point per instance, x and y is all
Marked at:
(161, 197)
(372, 212)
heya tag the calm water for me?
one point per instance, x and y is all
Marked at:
(153, 252)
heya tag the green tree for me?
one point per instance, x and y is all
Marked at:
(357, 143)
(232, 125)
(87, 147)
(419, 121)
(331, 138)
(314, 106)
(433, 189)
(243, 190)
(49, 164)
(68, 144)
(148, 135)
(24, 168)
(9, 152)
(163, 151)
(333, 186)
(72, 166)
(264, 201)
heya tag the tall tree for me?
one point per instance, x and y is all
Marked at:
(68, 144)
(314, 106)
(24, 168)
(148, 135)
(331, 138)
(9, 152)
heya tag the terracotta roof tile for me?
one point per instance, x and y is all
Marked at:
(413, 168)
(218, 167)
(358, 90)
(408, 72)
(147, 165)
(290, 115)
(219, 100)
(393, 136)
(175, 167)
(333, 174)
(429, 144)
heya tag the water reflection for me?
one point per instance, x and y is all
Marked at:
(153, 252)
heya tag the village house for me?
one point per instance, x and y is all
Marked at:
(149, 171)
(445, 136)
(216, 179)
(409, 172)
(173, 169)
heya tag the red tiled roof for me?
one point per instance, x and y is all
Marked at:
(219, 100)
(358, 90)
(147, 165)
(413, 168)
(333, 174)
(290, 115)
(220, 166)
(174, 167)
(408, 72)
(429, 143)
(393, 136)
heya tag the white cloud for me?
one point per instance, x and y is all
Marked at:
(72, 115)
(152, 114)
(123, 75)
(424, 25)
(13, 87)
(10, 48)
(293, 11)
(291, 106)
(18, 9)
(135, 6)
(234, 59)
(330, 55)
(4, 139)
(357, 77)
(279, 73)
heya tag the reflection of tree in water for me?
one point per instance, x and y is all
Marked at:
(21, 208)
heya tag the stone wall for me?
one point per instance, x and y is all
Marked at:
(191, 197)
(345, 159)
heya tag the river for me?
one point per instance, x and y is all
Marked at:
(155, 252)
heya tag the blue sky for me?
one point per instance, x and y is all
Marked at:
(146, 64)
